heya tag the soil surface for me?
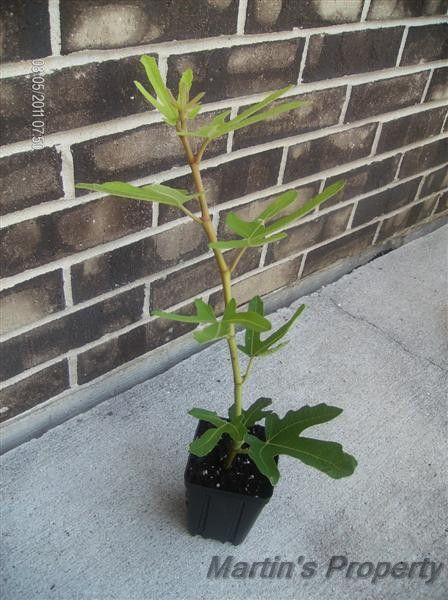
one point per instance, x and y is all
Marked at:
(243, 476)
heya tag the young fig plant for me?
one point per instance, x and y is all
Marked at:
(283, 435)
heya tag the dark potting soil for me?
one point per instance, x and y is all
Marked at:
(243, 477)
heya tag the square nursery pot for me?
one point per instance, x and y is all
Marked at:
(224, 504)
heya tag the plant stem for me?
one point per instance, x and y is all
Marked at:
(249, 366)
(225, 272)
(237, 260)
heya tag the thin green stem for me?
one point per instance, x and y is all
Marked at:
(190, 214)
(249, 367)
(225, 272)
(237, 260)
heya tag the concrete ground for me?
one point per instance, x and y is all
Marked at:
(94, 509)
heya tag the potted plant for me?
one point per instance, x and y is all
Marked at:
(233, 461)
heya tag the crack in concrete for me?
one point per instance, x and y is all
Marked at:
(387, 335)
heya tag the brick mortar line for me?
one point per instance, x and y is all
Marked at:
(348, 94)
(146, 299)
(147, 280)
(67, 287)
(352, 215)
(131, 122)
(404, 37)
(112, 335)
(426, 88)
(100, 249)
(400, 160)
(241, 17)
(55, 27)
(445, 120)
(47, 208)
(282, 167)
(72, 362)
(67, 171)
(376, 139)
(377, 232)
(176, 47)
(264, 251)
(229, 146)
(365, 11)
(420, 186)
(303, 59)
(302, 265)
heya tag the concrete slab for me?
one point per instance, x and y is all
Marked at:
(94, 509)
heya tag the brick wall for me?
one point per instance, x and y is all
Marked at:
(81, 272)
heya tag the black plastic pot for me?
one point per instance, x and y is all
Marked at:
(219, 514)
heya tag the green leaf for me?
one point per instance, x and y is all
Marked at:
(219, 126)
(252, 338)
(204, 314)
(155, 79)
(213, 332)
(283, 437)
(256, 412)
(278, 205)
(253, 345)
(251, 320)
(208, 440)
(176, 317)
(166, 103)
(204, 311)
(247, 242)
(265, 102)
(203, 414)
(147, 193)
(243, 228)
(266, 344)
(307, 207)
(264, 116)
(193, 113)
(185, 83)
(144, 92)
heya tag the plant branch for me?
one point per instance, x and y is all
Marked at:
(190, 214)
(201, 150)
(237, 260)
(224, 270)
(249, 367)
